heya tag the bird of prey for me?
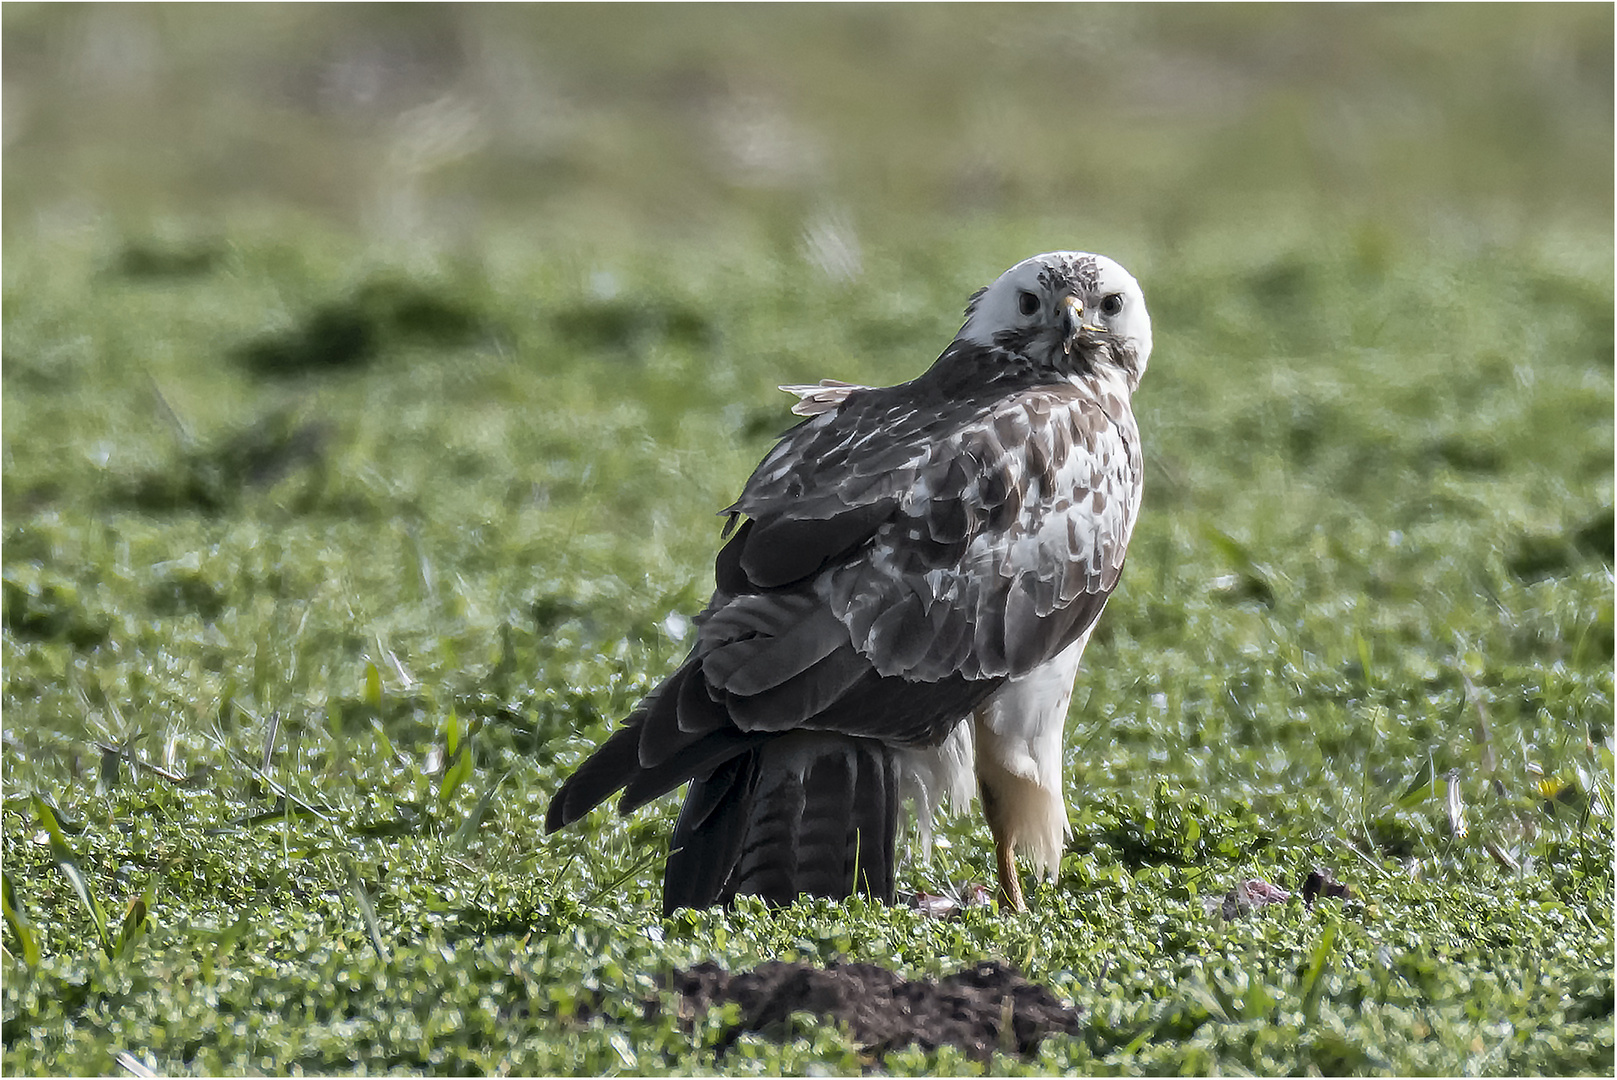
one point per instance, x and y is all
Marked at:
(901, 607)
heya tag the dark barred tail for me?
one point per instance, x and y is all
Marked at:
(810, 813)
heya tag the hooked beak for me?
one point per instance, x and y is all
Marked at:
(1072, 322)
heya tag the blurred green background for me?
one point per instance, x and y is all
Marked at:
(1147, 130)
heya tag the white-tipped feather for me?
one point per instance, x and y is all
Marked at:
(943, 774)
(820, 397)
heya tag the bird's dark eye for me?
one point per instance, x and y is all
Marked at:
(1111, 304)
(1027, 303)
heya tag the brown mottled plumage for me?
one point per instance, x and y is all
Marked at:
(908, 558)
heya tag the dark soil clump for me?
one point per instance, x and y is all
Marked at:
(982, 1009)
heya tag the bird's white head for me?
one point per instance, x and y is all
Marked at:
(1067, 310)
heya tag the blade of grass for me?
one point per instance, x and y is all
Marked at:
(550, 890)
(137, 919)
(283, 810)
(1257, 581)
(457, 752)
(17, 919)
(224, 943)
(1313, 982)
(1366, 658)
(651, 855)
(1139, 1040)
(117, 754)
(269, 739)
(1455, 803)
(468, 828)
(367, 913)
(108, 777)
(69, 866)
(69, 826)
(321, 812)
(1422, 788)
(132, 1064)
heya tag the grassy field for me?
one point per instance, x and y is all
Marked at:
(362, 449)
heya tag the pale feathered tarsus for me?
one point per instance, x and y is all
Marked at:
(902, 607)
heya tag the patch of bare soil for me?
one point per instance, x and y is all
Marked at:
(981, 1009)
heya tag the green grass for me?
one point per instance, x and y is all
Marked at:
(364, 543)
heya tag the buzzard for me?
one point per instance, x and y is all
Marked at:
(909, 581)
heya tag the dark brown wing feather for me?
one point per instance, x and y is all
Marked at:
(997, 521)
